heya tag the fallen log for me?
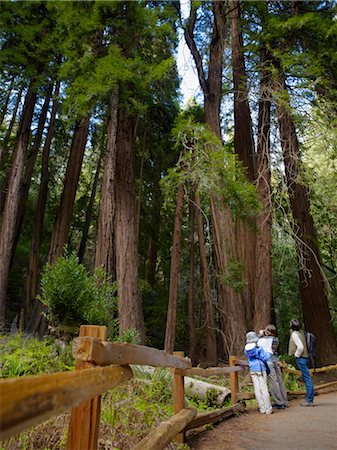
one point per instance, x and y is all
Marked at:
(203, 390)
(285, 368)
(167, 430)
(215, 416)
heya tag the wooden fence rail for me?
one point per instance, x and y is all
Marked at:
(100, 366)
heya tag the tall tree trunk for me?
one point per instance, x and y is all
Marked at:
(174, 274)
(152, 252)
(192, 344)
(211, 347)
(230, 302)
(27, 177)
(314, 300)
(4, 150)
(32, 276)
(89, 208)
(126, 233)
(263, 282)
(8, 96)
(244, 148)
(105, 249)
(11, 203)
(65, 210)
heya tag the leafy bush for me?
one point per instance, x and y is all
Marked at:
(73, 295)
(21, 355)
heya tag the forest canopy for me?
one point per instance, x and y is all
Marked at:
(123, 206)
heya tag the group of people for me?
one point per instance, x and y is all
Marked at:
(262, 354)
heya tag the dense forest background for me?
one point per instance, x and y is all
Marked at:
(120, 206)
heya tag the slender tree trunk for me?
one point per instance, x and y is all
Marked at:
(4, 150)
(11, 204)
(174, 274)
(32, 276)
(105, 249)
(151, 262)
(314, 300)
(130, 304)
(8, 96)
(244, 148)
(191, 286)
(211, 347)
(89, 208)
(65, 210)
(27, 177)
(263, 283)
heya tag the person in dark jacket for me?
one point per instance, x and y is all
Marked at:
(298, 348)
(257, 357)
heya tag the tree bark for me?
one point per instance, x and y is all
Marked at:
(32, 276)
(211, 347)
(89, 209)
(4, 150)
(192, 344)
(129, 298)
(11, 203)
(263, 282)
(27, 177)
(105, 249)
(174, 275)
(65, 210)
(314, 299)
(244, 148)
(8, 96)
(229, 301)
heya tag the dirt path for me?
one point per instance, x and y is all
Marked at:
(295, 428)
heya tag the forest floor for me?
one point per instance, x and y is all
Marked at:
(293, 428)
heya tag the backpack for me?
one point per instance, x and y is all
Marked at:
(310, 339)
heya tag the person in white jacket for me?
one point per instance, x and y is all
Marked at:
(298, 348)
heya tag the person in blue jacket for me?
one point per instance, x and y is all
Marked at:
(257, 357)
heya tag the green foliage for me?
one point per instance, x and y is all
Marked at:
(213, 166)
(73, 295)
(130, 336)
(233, 276)
(22, 355)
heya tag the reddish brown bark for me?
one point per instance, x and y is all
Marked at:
(314, 300)
(126, 233)
(244, 148)
(105, 254)
(231, 309)
(174, 274)
(27, 177)
(11, 204)
(192, 344)
(263, 281)
(211, 347)
(32, 276)
(65, 210)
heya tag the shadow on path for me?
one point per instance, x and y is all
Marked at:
(295, 428)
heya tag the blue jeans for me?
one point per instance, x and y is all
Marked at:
(302, 364)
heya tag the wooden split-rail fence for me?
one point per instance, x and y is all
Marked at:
(29, 401)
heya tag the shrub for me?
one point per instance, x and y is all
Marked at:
(74, 296)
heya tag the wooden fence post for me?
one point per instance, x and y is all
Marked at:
(84, 419)
(234, 380)
(178, 396)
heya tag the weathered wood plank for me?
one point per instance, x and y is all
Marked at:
(245, 395)
(166, 431)
(312, 371)
(104, 353)
(28, 401)
(242, 362)
(209, 372)
(215, 416)
(84, 419)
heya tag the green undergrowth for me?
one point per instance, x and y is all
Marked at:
(22, 355)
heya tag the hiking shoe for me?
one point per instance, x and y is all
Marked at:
(278, 406)
(306, 404)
